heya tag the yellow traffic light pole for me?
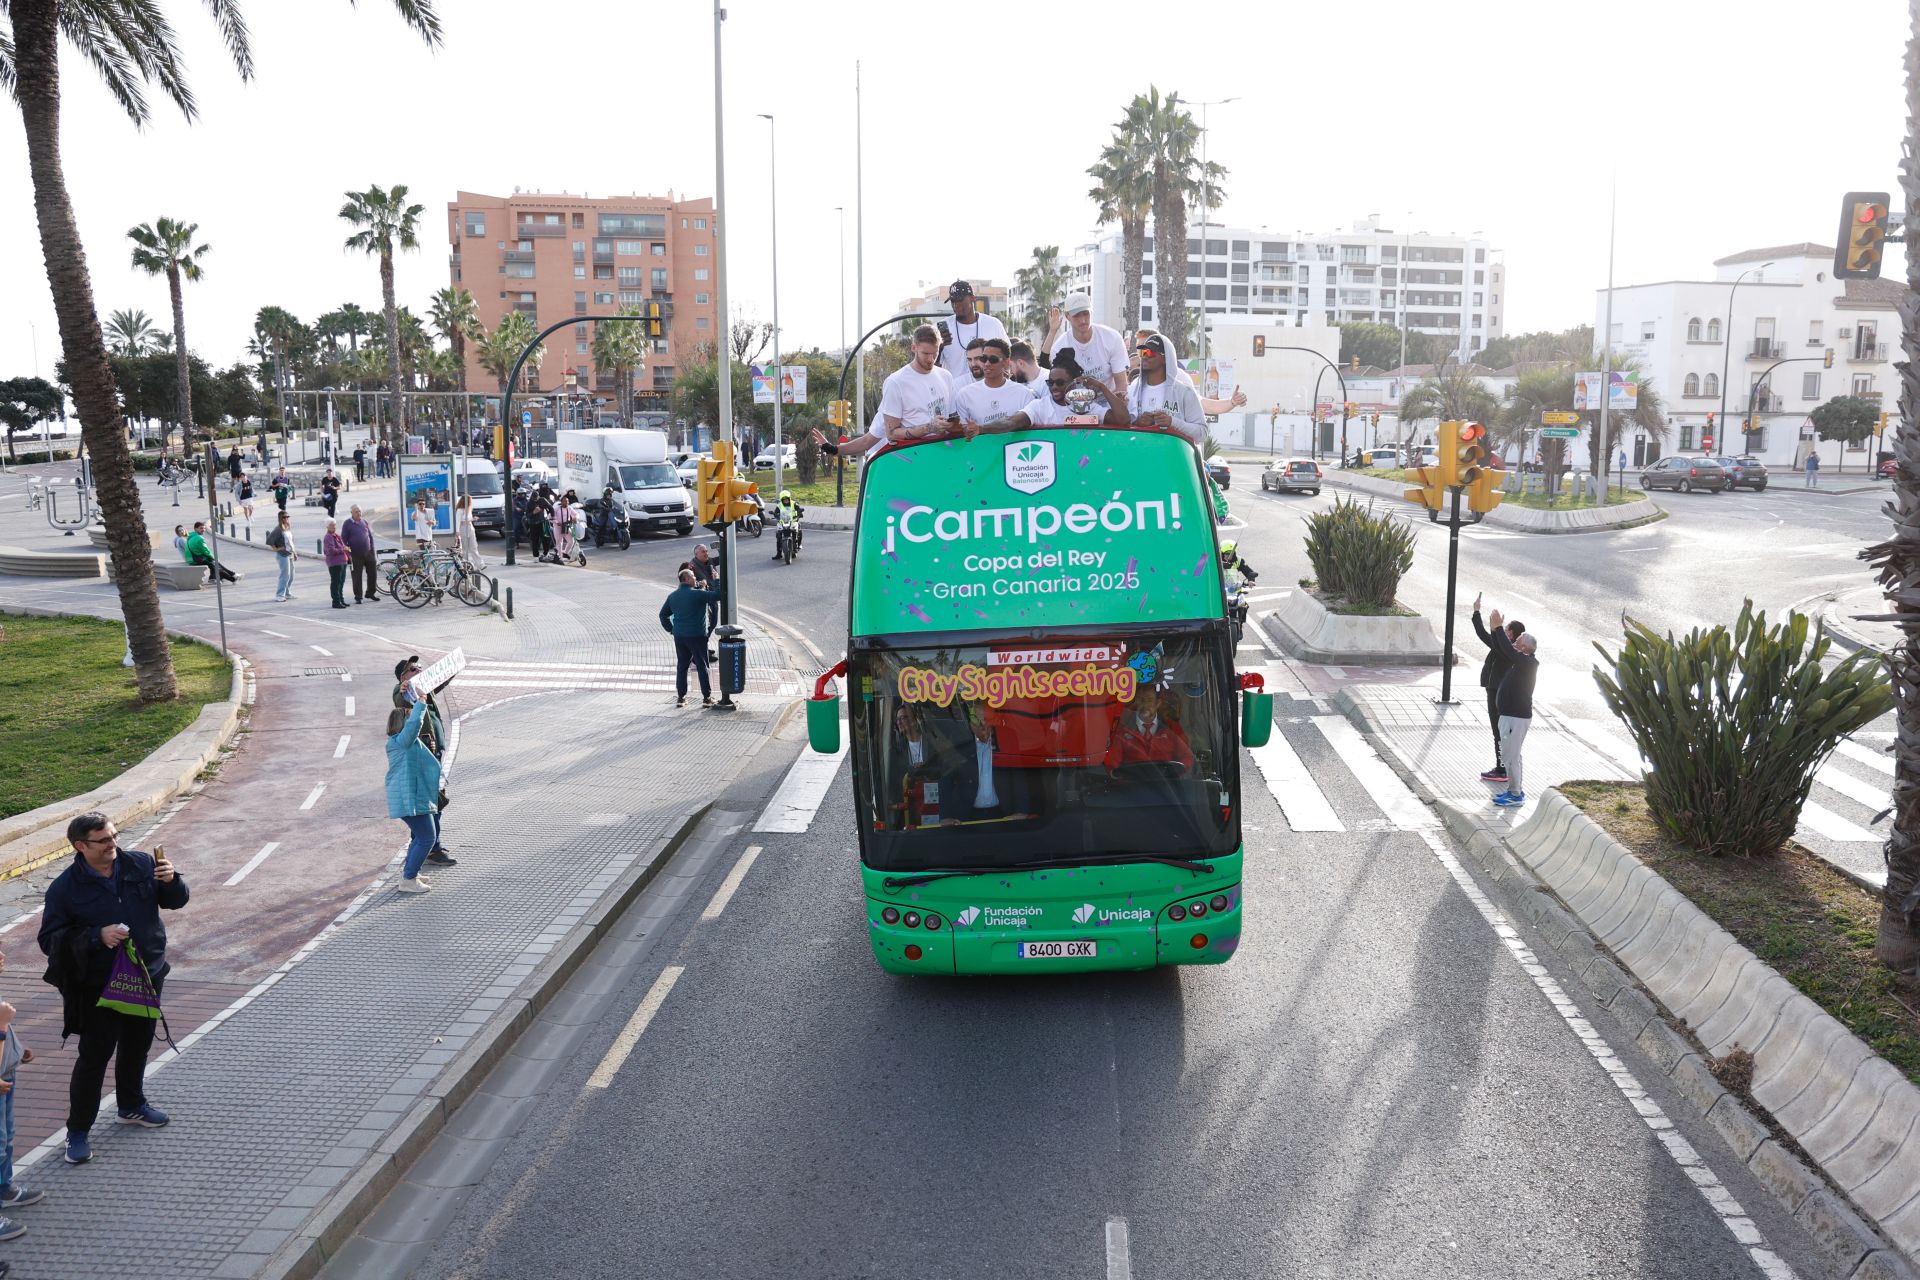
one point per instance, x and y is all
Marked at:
(1463, 455)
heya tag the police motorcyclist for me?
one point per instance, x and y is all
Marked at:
(788, 512)
(1231, 565)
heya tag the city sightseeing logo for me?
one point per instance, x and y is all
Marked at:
(1030, 466)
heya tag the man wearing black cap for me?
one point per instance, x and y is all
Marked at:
(968, 323)
(432, 733)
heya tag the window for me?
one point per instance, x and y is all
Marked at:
(603, 299)
(1646, 331)
(659, 249)
(1306, 274)
(1713, 329)
(580, 301)
(579, 221)
(1216, 271)
(603, 273)
(1476, 300)
(659, 277)
(1479, 255)
(476, 224)
(1692, 385)
(1686, 429)
(649, 226)
(1862, 384)
(701, 323)
(699, 251)
(1863, 342)
(683, 224)
(580, 331)
(631, 297)
(1809, 386)
(1216, 293)
(1711, 386)
(699, 224)
(1389, 253)
(1813, 333)
(1479, 277)
(1693, 329)
(525, 246)
(579, 273)
(699, 299)
(699, 273)
(519, 270)
(579, 250)
(629, 277)
(1756, 441)
(630, 248)
(579, 347)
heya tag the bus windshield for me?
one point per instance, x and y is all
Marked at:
(1088, 746)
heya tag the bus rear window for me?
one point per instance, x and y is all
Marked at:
(1080, 747)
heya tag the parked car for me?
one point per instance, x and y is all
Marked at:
(689, 469)
(1888, 469)
(789, 457)
(1744, 472)
(533, 471)
(1387, 458)
(1218, 472)
(1291, 475)
(1685, 474)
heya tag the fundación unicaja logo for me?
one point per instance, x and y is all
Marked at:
(1030, 466)
(1082, 914)
(966, 918)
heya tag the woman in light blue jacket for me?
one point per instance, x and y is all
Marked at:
(413, 791)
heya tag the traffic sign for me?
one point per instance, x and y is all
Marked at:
(526, 417)
(1563, 419)
(1560, 433)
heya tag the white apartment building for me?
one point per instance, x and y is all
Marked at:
(1451, 286)
(1706, 343)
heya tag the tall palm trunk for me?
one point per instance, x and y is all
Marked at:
(397, 411)
(1133, 252)
(183, 390)
(1170, 257)
(37, 67)
(1897, 944)
(457, 343)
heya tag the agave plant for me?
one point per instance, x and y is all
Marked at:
(1359, 553)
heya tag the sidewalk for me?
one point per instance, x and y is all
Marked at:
(1839, 615)
(313, 1006)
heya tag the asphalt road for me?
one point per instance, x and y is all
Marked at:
(1373, 1087)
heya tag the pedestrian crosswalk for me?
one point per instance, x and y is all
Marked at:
(613, 677)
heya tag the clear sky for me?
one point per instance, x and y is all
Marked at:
(1727, 129)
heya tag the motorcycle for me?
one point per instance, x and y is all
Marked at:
(750, 523)
(1238, 606)
(609, 523)
(787, 540)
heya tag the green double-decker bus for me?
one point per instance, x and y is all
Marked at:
(1043, 712)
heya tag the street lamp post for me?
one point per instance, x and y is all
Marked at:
(1726, 352)
(779, 373)
(840, 464)
(1206, 209)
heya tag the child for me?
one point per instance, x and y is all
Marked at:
(12, 1194)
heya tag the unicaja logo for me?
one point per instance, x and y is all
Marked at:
(1082, 914)
(1030, 465)
(966, 918)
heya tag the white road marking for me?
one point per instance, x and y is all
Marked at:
(349, 704)
(630, 1034)
(1393, 796)
(325, 653)
(1119, 1253)
(275, 634)
(1338, 673)
(346, 677)
(1299, 796)
(1269, 595)
(313, 795)
(1734, 1218)
(341, 749)
(1859, 790)
(724, 894)
(1825, 822)
(247, 868)
(1866, 755)
(19, 920)
(801, 791)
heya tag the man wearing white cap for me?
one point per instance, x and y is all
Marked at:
(968, 323)
(1100, 350)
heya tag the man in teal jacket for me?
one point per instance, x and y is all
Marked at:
(685, 616)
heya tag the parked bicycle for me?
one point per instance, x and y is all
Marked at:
(416, 578)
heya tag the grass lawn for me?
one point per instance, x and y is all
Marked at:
(1616, 497)
(1792, 910)
(69, 720)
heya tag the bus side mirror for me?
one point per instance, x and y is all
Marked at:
(1256, 718)
(823, 724)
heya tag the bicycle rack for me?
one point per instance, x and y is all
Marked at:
(68, 525)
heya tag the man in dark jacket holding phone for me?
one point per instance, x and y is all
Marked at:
(105, 896)
(1490, 672)
(1515, 702)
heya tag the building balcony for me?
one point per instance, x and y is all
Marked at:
(539, 231)
(1766, 349)
(515, 257)
(603, 258)
(579, 257)
(1868, 353)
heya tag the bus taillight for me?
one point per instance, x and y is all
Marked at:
(1197, 910)
(1176, 913)
(933, 921)
(1198, 941)
(911, 919)
(890, 915)
(1218, 902)
(912, 952)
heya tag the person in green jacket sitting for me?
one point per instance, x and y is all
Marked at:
(199, 553)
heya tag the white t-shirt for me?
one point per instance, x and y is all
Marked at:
(915, 398)
(1146, 397)
(1043, 412)
(953, 356)
(978, 402)
(1103, 355)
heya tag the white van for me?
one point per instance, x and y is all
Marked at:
(479, 478)
(646, 488)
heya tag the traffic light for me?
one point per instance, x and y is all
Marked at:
(1863, 230)
(1348, 407)
(721, 497)
(1463, 450)
(1376, 419)
(1431, 494)
(1827, 361)
(1882, 428)
(1354, 366)
(1259, 344)
(834, 416)
(1484, 494)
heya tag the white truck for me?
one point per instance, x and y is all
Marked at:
(647, 491)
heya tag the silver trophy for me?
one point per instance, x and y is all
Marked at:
(1080, 400)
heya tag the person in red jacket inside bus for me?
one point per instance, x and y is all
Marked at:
(1145, 734)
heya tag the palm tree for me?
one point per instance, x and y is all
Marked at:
(620, 351)
(1162, 135)
(166, 248)
(1045, 285)
(1450, 394)
(275, 329)
(1123, 194)
(499, 349)
(1897, 944)
(130, 333)
(355, 324)
(386, 219)
(456, 319)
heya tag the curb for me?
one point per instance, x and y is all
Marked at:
(1631, 515)
(36, 837)
(1294, 645)
(1698, 977)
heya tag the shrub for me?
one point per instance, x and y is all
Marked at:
(1359, 553)
(1735, 723)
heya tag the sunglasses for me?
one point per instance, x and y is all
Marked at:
(991, 359)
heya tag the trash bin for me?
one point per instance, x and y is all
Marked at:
(733, 661)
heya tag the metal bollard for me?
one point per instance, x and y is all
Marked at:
(509, 600)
